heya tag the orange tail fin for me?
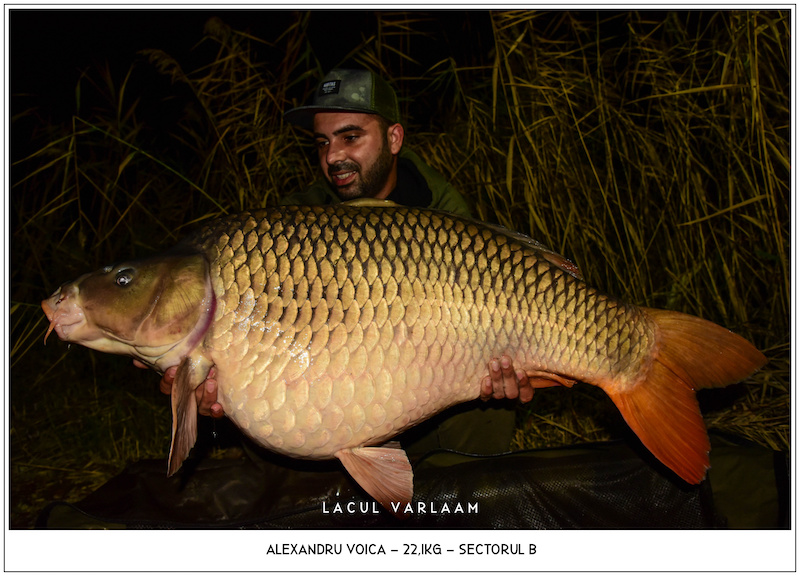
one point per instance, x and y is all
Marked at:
(662, 409)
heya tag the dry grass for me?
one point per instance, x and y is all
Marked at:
(652, 149)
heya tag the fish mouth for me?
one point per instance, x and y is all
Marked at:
(64, 314)
(62, 330)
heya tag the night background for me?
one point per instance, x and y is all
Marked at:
(652, 148)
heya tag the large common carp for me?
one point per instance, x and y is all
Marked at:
(332, 329)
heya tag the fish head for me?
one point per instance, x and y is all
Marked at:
(156, 310)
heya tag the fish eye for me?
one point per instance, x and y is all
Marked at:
(124, 277)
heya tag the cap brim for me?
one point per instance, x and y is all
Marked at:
(303, 116)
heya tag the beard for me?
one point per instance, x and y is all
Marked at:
(367, 184)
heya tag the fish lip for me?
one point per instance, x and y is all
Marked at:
(65, 324)
(64, 330)
(64, 314)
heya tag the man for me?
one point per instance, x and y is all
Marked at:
(355, 120)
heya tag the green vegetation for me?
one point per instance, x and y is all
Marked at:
(653, 149)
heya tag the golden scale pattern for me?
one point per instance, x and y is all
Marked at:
(340, 326)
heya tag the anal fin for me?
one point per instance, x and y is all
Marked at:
(384, 472)
(544, 379)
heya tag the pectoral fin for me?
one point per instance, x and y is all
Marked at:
(384, 472)
(191, 373)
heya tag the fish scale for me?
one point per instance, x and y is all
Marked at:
(332, 329)
(474, 297)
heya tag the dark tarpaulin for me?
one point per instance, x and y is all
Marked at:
(607, 485)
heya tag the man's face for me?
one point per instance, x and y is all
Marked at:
(357, 156)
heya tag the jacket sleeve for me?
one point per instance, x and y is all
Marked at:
(452, 201)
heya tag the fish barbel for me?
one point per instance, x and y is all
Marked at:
(334, 328)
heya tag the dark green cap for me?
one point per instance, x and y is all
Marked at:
(348, 91)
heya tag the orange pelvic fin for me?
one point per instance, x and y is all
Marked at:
(662, 408)
(384, 472)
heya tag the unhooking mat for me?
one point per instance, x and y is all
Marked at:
(605, 485)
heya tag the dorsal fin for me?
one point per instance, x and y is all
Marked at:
(554, 258)
(371, 202)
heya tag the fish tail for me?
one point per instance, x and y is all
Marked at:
(661, 406)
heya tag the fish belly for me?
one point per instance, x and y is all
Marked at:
(338, 327)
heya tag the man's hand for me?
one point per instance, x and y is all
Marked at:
(206, 393)
(504, 382)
